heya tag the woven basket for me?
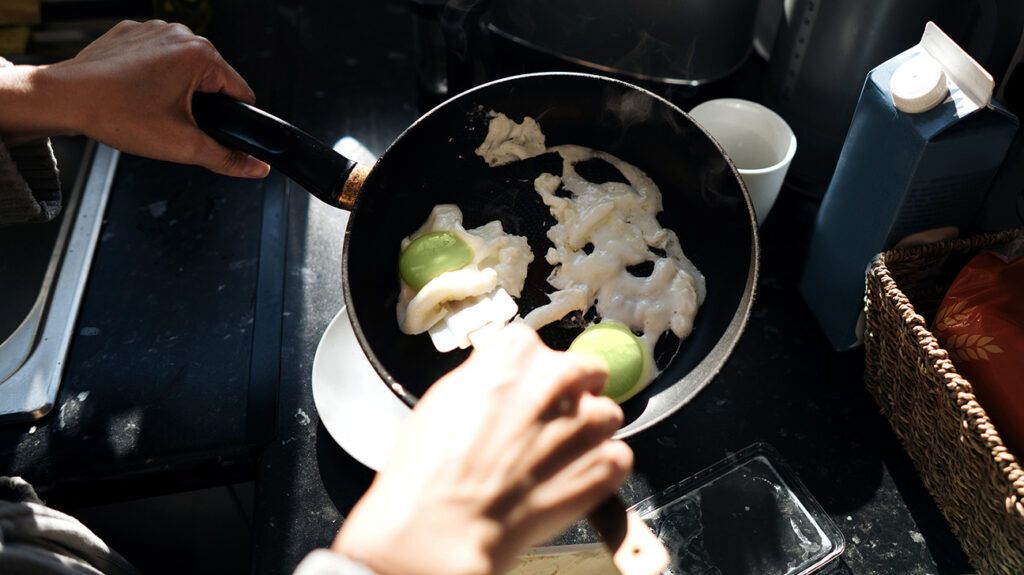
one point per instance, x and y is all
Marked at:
(976, 482)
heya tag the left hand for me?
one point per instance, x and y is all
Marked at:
(132, 89)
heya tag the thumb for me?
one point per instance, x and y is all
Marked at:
(228, 162)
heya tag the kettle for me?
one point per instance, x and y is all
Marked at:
(686, 42)
(825, 48)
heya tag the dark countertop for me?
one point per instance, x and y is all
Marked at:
(167, 375)
(208, 297)
(783, 385)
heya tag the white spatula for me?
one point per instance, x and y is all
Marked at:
(473, 317)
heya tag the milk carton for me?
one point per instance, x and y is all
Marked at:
(924, 144)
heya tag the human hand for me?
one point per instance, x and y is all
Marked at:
(132, 89)
(502, 453)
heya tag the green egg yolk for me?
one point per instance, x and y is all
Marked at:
(620, 349)
(431, 255)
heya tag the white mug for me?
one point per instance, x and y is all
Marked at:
(758, 141)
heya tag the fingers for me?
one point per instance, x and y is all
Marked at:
(134, 87)
(222, 77)
(122, 27)
(584, 373)
(234, 85)
(587, 481)
(566, 438)
(578, 488)
(513, 339)
(225, 161)
(553, 374)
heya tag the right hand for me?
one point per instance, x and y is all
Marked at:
(132, 89)
(500, 454)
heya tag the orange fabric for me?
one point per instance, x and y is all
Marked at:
(981, 324)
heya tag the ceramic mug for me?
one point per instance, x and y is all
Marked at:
(758, 141)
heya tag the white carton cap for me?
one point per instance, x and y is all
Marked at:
(918, 85)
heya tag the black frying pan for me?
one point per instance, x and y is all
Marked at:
(433, 162)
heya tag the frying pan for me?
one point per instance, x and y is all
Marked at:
(433, 162)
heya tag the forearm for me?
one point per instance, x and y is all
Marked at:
(29, 187)
(33, 104)
(130, 89)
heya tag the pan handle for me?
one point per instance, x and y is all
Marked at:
(325, 173)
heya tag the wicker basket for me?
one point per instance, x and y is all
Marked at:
(977, 483)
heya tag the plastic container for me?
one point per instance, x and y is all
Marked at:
(743, 515)
(922, 150)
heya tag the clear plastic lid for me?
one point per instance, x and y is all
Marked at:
(745, 514)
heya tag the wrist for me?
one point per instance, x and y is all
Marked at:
(33, 104)
(383, 540)
(60, 99)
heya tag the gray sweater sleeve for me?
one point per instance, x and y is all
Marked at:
(324, 562)
(38, 540)
(29, 186)
(29, 183)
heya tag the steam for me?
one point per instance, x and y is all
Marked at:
(456, 17)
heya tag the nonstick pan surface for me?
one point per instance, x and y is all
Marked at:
(433, 162)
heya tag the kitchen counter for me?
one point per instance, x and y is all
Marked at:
(783, 385)
(173, 366)
(194, 347)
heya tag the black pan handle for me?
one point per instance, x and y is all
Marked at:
(313, 165)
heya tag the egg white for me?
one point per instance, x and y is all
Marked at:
(618, 221)
(500, 260)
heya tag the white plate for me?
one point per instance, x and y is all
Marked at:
(358, 410)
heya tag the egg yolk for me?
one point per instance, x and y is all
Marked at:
(614, 343)
(431, 255)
